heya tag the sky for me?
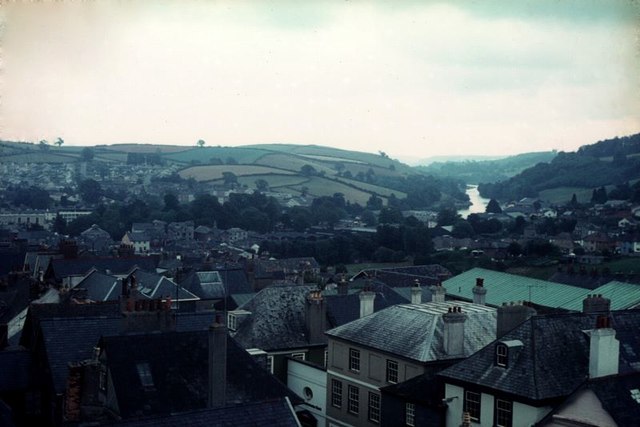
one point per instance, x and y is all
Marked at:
(411, 78)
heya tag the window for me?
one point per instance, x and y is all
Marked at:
(336, 393)
(326, 358)
(504, 413)
(232, 322)
(353, 399)
(298, 356)
(472, 404)
(501, 355)
(392, 371)
(354, 360)
(144, 373)
(374, 407)
(270, 364)
(410, 414)
(103, 377)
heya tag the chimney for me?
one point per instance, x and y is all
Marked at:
(454, 331)
(315, 317)
(596, 304)
(343, 287)
(604, 349)
(512, 315)
(416, 293)
(438, 292)
(479, 292)
(366, 302)
(217, 363)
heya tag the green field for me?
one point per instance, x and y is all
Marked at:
(329, 158)
(40, 156)
(213, 172)
(370, 188)
(293, 163)
(275, 181)
(318, 186)
(205, 154)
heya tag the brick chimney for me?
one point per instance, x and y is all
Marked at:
(438, 292)
(604, 349)
(454, 331)
(416, 293)
(596, 303)
(315, 317)
(512, 315)
(367, 297)
(479, 292)
(217, 364)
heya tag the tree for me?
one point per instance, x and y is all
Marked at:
(87, 154)
(308, 170)
(59, 142)
(43, 144)
(200, 143)
(90, 190)
(171, 202)
(229, 178)
(374, 203)
(447, 216)
(262, 185)
(493, 207)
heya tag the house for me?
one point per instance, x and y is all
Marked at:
(598, 242)
(282, 320)
(215, 286)
(395, 345)
(68, 272)
(140, 241)
(520, 378)
(97, 240)
(177, 231)
(265, 272)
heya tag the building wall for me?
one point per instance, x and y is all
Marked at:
(300, 377)
(523, 415)
(370, 377)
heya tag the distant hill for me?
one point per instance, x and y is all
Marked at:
(477, 171)
(456, 159)
(294, 169)
(610, 162)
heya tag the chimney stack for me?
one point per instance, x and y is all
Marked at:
(315, 317)
(366, 302)
(454, 331)
(604, 349)
(596, 304)
(416, 293)
(512, 315)
(479, 292)
(438, 292)
(343, 287)
(217, 363)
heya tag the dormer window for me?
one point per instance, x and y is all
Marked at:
(502, 355)
(144, 373)
(232, 322)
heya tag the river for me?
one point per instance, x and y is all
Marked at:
(478, 204)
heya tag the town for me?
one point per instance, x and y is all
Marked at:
(140, 288)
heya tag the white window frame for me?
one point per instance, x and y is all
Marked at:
(354, 360)
(502, 355)
(410, 414)
(353, 399)
(507, 409)
(270, 363)
(392, 371)
(473, 399)
(326, 358)
(336, 393)
(232, 321)
(374, 407)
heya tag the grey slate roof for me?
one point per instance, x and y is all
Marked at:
(406, 276)
(217, 283)
(554, 358)
(277, 319)
(268, 413)
(177, 361)
(415, 331)
(75, 267)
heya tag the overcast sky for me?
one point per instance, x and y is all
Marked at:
(411, 78)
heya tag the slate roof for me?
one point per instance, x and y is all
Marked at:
(70, 332)
(76, 267)
(155, 286)
(268, 413)
(100, 286)
(505, 287)
(554, 358)
(620, 397)
(343, 309)
(423, 389)
(406, 276)
(267, 268)
(277, 319)
(177, 361)
(415, 331)
(217, 283)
